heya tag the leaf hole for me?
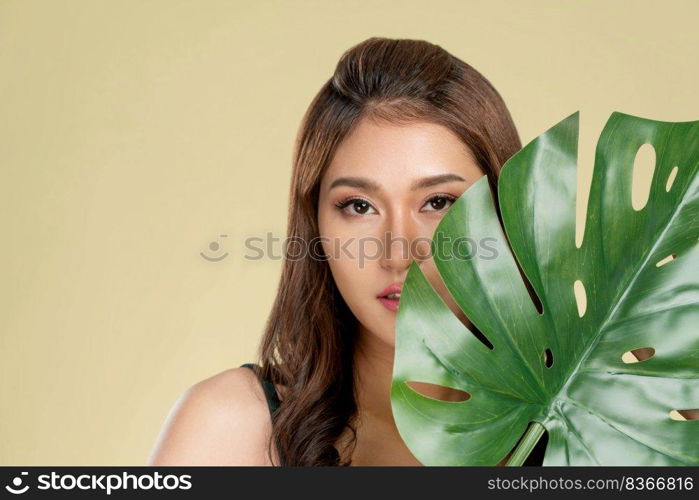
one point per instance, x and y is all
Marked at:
(682, 415)
(474, 330)
(671, 178)
(548, 358)
(637, 355)
(538, 305)
(580, 297)
(480, 335)
(665, 260)
(530, 289)
(438, 392)
(448, 298)
(643, 168)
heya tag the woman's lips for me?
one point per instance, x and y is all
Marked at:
(390, 296)
(390, 304)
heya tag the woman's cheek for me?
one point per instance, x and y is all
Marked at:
(348, 284)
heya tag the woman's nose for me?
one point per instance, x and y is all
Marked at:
(402, 243)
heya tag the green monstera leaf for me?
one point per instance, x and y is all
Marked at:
(563, 368)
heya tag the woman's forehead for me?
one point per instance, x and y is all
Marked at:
(393, 153)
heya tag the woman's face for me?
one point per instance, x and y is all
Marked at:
(380, 201)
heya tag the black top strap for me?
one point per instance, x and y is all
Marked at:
(270, 395)
(270, 391)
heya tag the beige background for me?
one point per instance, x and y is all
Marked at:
(133, 133)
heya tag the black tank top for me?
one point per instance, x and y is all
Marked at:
(268, 386)
(270, 395)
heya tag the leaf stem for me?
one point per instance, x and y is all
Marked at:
(526, 445)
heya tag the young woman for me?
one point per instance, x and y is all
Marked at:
(399, 131)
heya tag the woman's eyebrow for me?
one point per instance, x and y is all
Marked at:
(434, 180)
(369, 185)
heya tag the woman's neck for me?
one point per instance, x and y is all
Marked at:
(373, 367)
(378, 440)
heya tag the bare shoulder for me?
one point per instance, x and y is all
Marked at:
(221, 420)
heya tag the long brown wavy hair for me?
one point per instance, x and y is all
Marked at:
(310, 334)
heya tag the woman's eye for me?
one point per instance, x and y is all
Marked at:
(355, 207)
(438, 203)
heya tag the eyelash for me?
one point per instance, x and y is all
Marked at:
(342, 205)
